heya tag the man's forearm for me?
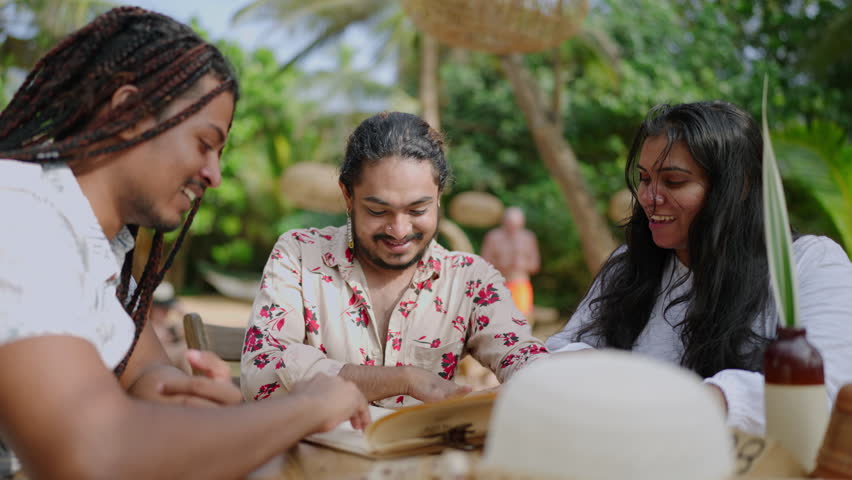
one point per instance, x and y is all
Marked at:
(377, 382)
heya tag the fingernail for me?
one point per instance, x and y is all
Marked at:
(160, 387)
(193, 354)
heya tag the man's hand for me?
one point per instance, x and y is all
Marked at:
(429, 387)
(166, 384)
(337, 399)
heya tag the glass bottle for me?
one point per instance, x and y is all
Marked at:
(795, 396)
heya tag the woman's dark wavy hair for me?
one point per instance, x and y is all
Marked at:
(56, 113)
(389, 134)
(727, 253)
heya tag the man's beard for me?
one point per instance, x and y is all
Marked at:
(146, 216)
(377, 261)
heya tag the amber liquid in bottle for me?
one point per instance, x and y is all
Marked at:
(796, 400)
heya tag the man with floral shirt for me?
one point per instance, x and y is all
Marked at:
(379, 301)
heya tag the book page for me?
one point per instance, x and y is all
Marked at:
(346, 438)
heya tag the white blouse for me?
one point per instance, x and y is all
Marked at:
(824, 274)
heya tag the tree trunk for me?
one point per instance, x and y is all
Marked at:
(596, 239)
(429, 49)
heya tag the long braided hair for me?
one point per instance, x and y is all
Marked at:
(55, 114)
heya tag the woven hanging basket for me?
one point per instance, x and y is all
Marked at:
(313, 186)
(498, 26)
(476, 209)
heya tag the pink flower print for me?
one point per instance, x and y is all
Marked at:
(461, 261)
(487, 296)
(357, 298)
(276, 254)
(448, 363)
(439, 305)
(435, 264)
(396, 341)
(406, 307)
(322, 349)
(424, 285)
(519, 321)
(459, 324)
(263, 284)
(279, 364)
(266, 390)
(471, 287)
(302, 237)
(508, 360)
(327, 279)
(311, 323)
(399, 399)
(275, 314)
(482, 321)
(363, 318)
(261, 361)
(253, 341)
(350, 255)
(534, 349)
(367, 360)
(329, 259)
(509, 338)
(432, 344)
(321, 235)
(275, 343)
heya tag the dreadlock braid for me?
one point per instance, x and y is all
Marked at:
(56, 114)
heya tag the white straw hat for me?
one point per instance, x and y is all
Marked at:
(607, 415)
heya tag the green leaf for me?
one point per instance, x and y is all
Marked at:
(779, 243)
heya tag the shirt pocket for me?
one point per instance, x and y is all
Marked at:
(441, 359)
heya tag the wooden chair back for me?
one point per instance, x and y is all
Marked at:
(226, 342)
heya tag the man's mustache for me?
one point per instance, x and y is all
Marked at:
(408, 238)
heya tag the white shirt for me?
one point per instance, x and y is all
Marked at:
(824, 274)
(58, 271)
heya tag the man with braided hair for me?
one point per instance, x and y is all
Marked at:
(122, 125)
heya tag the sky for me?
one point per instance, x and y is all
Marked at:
(214, 16)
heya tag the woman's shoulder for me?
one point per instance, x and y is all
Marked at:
(818, 249)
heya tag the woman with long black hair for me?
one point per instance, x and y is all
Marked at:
(691, 284)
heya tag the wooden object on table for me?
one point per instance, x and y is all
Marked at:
(835, 455)
(226, 342)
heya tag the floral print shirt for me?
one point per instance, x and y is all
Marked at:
(313, 315)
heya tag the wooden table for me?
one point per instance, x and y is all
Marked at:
(311, 462)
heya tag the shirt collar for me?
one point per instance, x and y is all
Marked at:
(337, 254)
(75, 205)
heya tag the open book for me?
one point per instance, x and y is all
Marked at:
(430, 427)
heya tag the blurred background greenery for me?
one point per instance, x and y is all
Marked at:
(595, 89)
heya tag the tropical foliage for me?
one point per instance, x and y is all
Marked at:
(630, 56)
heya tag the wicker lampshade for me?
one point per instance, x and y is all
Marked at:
(498, 26)
(313, 186)
(476, 209)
